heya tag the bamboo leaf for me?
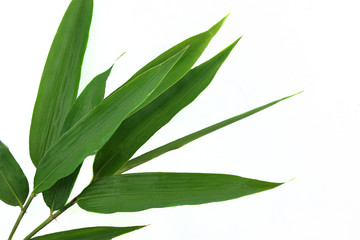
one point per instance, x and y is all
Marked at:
(141, 191)
(196, 46)
(89, 134)
(60, 79)
(191, 137)
(94, 233)
(143, 124)
(14, 187)
(56, 196)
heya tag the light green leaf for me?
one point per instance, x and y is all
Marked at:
(191, 137)
(60, 80)
(89, 134)
(14, 187)
(56, 196)
(141, 191)
(143, 124)
(196, 46)
(95, 233)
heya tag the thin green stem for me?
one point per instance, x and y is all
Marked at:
(51, 218)
(21, 215)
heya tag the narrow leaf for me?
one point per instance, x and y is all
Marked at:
(140, 126)
(89, 134)
(56, 196)
(191, 137)
(95, 233)
(196, 46)
(14, 187)
(60, 79)
(141, 191)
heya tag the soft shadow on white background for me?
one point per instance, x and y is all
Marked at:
(287, 47)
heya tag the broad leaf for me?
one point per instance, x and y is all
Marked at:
(95, 233)
(196, 46)
(56, 196)
(140, 191)
(89, 134)
(191, 137)
(60, 79)
(14, 187)
(143, 124)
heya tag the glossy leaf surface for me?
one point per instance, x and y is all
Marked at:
(89, 134)
(141, 191)
(60, 79)
(14, 187)
(143, 124)
(56, 196)
(191, 137)
(95, 233)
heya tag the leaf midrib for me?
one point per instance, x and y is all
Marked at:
(12, 190)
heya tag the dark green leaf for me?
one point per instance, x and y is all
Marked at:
(143, 124)
(95, 233)
(56, 196)
(60, 80)
(140, 191)
(14, 187)
(89, 134)
(189, 138)
(196, 46)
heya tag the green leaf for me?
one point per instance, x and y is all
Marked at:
(95, 233)
(196, 46)
(14, 187)
(56, 196)
(60, 79)
(191, 137)
(143, 124)
(140, 191)
(89, 134)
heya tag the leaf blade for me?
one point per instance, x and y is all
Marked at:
(94, 233)
(141, 191)
(97, 127)
(56, 196)
(191, 137)
(143, 124)
(60, 80)
(196, 46)
(14, 187)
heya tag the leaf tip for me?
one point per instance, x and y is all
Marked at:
(290, 180)
(214, 29)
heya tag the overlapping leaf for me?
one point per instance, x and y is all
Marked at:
(60, 80)
(95, 233)
(14, 187)
(191, 137)
(89, 134)
(141, 191)
(196, 46)
(56, 196)
(143, 124)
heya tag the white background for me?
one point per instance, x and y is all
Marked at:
(287, 46)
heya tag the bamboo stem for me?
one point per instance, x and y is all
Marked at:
(51, 218)
(21, 215)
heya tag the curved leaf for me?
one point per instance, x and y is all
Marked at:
(140, 191)
(14, 187)
(95, 233)
(191, 137)
(143, 124)
(60, 79)
(56, 196)
(89, 134)
(196, 46)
